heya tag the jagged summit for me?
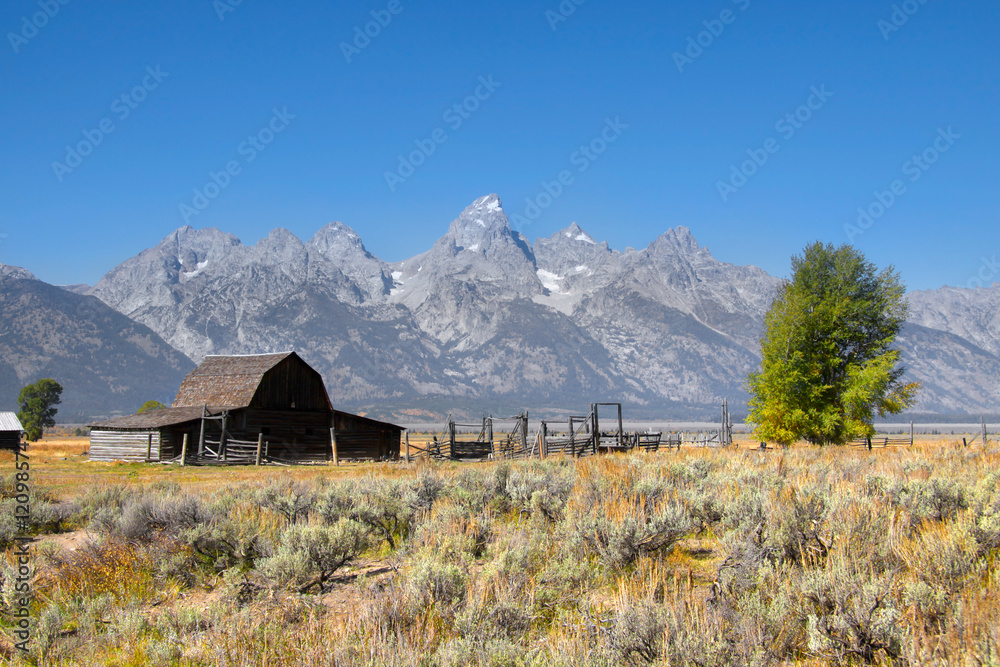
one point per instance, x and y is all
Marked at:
(482, 314)
(678, 239)
(336, 239)
(575, 233)
(482, 228)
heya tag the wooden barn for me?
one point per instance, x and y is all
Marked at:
(229, 405)
(10, 431)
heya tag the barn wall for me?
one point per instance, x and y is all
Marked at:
(107, 445)
(294, 435)
(291, 382)
(10, 440)
(360, 438)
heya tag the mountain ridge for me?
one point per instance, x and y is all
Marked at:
(484, 317)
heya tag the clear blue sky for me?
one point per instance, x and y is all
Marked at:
(892, 91)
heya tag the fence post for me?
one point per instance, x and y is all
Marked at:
(222, 438)
(911, 434)
(333, 444)
(407, 434)
(524, 434)
(545, 445)
(184, 448)
(621, 428)
(985, 435)
(149, 448)
(201, 437)
(595, 426)
(260, 447)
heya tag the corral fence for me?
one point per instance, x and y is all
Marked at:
(884, 441)
(510, 438)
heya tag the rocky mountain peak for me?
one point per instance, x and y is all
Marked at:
(15, 273)
(576, 233)
(189, 251)
(338, 241)
(283, 250)
(483, 228)
(678, 240)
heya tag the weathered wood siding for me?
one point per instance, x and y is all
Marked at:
(292, 384)
(359, 438)
(108, 445)
(10, 439)
(295, 435)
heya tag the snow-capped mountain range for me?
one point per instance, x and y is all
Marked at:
(486, 320)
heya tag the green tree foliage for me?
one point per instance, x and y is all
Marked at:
(36, 402)
(828, 366)
(151, 405)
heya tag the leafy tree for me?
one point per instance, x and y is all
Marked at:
(828, 365)
(36, 402)
(151, 405)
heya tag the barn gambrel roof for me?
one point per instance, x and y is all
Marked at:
(226, 381)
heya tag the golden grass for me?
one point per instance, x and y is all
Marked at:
(947, 598)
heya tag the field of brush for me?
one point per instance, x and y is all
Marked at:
(699, 557)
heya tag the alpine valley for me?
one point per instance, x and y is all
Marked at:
(484, 321)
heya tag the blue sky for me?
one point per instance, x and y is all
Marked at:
(201, 77)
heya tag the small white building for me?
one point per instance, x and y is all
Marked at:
(10, 431)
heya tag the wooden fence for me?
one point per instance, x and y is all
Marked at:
(507, 439)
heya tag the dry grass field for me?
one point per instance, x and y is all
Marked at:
(699, 557)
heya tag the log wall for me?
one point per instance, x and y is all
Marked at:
(123, 445)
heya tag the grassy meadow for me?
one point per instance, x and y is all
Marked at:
(809, 556)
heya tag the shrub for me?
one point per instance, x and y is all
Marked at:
(931, 500)
(986, 514)
(542, 492)
(618, 538)
(141, 519)
(292, 500)
(309, 556)
(852, 615)
(636, 638)
(378, 504)
(434, 582)
(223, 544)
(463, 652)
(424, 490)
